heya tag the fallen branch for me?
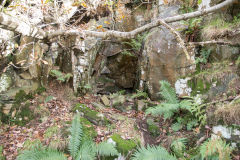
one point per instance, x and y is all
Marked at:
(132, 34)
(213, 42)
(13, 24)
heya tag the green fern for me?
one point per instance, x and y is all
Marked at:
(62, 77)
(152, 153)
(215, 149)
(106, 149)
(172, 104)
(177, 126)
(87, 151)
(80, 147)
(178, 146)
(165, 109)
(140, 94)
(41, 153)
(76, 136)
(168, 93)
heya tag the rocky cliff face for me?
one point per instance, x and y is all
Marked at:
(112, 65)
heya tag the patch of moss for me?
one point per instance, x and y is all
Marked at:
(93, 116)
(238, 62)
(123, 146)
(199, 86)
(1, 153)
(28, 144)
(40, 90)
(153, 128)
(88, 128)
(21, 96)
(21, 107)
(23, 117)
(51, 131)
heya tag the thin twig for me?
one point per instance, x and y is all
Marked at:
(178, 37)
(2, 5)
(214, 42)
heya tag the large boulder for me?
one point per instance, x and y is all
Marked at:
(162, 59)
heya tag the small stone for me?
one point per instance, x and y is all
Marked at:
(118, 100)
(7, 109)
(26, 75)
(98, 106)
(105, 100)
(105, 70)
(14, 113)
(140, 105)
(111, 141)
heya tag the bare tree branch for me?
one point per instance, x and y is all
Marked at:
(2, 5)
(13, 24)
(214, 42)
(132, 34)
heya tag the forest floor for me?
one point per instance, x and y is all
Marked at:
(16, 138)
(59, 110)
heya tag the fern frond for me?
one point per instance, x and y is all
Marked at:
(152, 153)
(87, 151)
(41, 154)
(75, 136)
(168, 92)
(186, 104)
(106, 149)
(177, 126)
(179, 145)
(165, 109)
(215, 148)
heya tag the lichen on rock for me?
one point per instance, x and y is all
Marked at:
(5, 82)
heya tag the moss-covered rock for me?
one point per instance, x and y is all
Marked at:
(218, 79)
(20, 112)
(88, 128)
(121, 102)
(92, 115)
(199, 86)
(123, 146)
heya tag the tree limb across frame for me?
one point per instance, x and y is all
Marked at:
(13, 24)
(132, 34)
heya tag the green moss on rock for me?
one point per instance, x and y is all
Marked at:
(40, 90)
(88, 128)
(93, 116)
(123, 146)
(199, 86)
(20, 112)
